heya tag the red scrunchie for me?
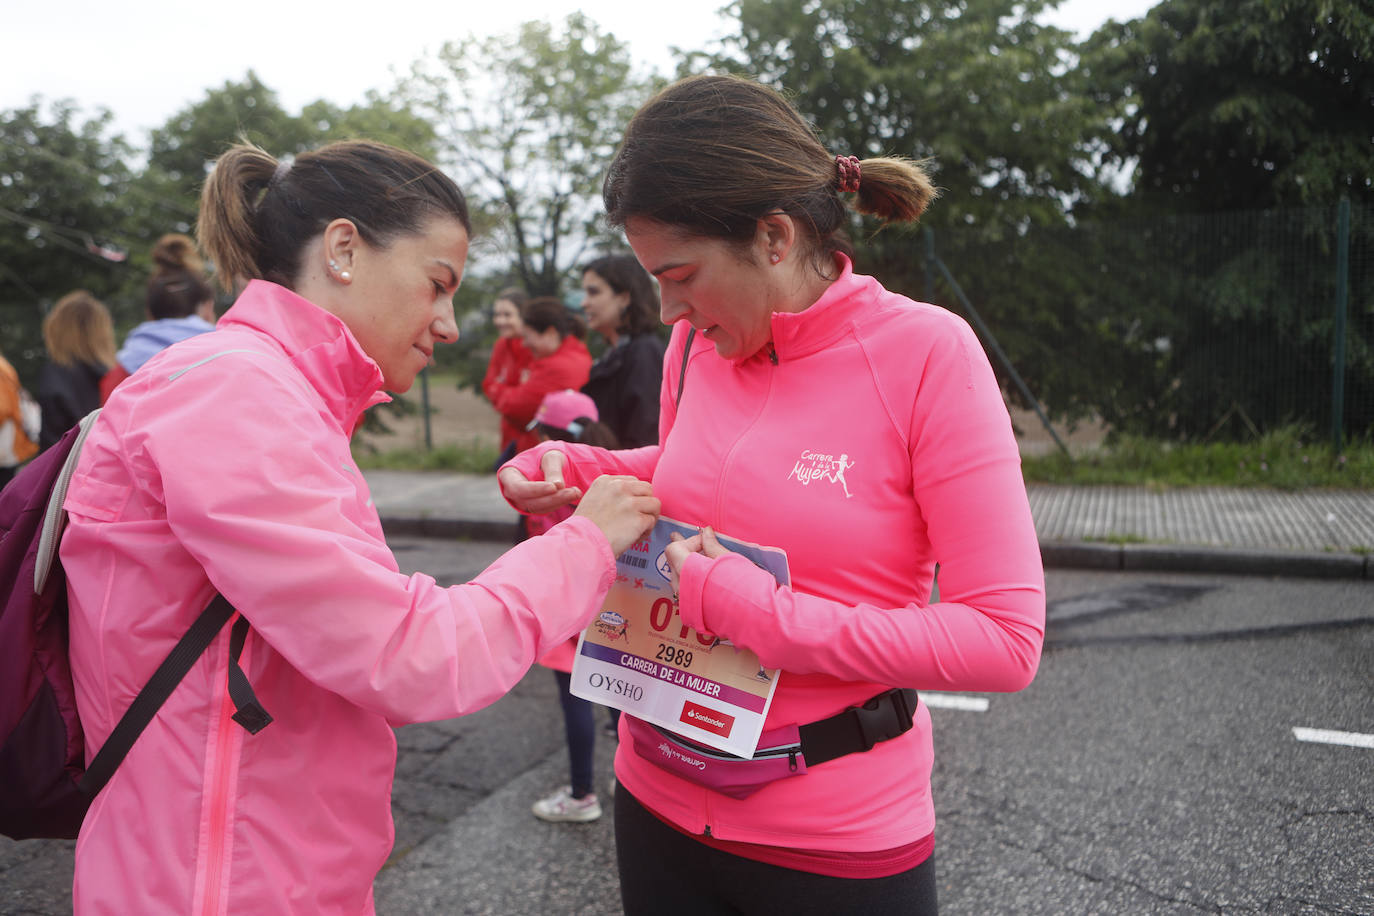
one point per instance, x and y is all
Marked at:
(848, 168)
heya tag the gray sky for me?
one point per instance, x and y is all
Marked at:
(145, 59)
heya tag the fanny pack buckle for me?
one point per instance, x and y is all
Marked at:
(885, 716)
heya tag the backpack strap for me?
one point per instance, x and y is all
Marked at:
(179, 661)
(682, 376)
(55, 518)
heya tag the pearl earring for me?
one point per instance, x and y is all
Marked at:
(775, 257)
(345, 275)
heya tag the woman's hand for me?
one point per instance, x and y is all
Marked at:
(704, 542)
(535, 497)
(623, 507)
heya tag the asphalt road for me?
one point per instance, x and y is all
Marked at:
(1151, 768)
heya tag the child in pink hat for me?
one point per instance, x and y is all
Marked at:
(570, 416)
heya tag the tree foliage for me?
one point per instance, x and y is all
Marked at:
(1244, 104)
(985, 94)
(529, 122)
(72, 197)
(1258, 117)
(63, 182)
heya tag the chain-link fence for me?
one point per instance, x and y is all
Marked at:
(1217, 326)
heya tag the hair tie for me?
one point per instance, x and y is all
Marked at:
(849, 171)
(283, 167)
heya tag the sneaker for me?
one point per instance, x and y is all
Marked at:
(561, 806)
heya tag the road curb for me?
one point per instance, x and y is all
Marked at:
(1190, 558)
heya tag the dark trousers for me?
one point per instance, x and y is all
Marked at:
(580, 725)
(667, 873)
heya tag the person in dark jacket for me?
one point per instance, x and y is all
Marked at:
(620, 303)
(79, 335)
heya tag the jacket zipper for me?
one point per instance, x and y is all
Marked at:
(782, 750)
(729, 458)
(219, 803)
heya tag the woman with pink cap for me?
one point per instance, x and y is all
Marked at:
(570, 416)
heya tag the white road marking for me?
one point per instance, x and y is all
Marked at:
(954, 701)
(1325, 736)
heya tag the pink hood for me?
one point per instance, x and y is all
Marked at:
(224, 465)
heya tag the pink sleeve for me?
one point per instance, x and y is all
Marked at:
(986, 632)
(287, 534)
(585, 463)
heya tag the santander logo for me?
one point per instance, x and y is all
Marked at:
(822, 466)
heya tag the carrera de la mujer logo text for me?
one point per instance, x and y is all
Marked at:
(819, 466)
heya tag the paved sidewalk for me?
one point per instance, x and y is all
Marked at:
(1321, 533)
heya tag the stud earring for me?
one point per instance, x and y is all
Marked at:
(333, 265)
(775, 257)
(345, 275)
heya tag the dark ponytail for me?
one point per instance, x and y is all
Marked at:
(257, 215)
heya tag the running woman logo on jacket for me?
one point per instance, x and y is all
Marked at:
(816, 466)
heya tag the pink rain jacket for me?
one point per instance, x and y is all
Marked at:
(224, 464)
(875, 447)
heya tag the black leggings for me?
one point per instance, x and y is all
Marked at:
(666, 873)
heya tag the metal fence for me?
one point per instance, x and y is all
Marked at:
(1215, 326)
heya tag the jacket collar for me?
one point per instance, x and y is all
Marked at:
(317, 343)
(797, 334)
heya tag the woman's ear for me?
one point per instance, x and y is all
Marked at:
(776, 236)
(341, 246)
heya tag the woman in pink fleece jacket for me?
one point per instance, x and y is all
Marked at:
(224, 466)
(861, 432)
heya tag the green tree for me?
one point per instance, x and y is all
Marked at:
(528, 122)
(63, 184)
(1241, 104)
(1260, 115)
(183, 148)
(989, 97)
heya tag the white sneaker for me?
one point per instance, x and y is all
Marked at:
(561, 806)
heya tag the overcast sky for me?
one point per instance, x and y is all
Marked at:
(146, 59)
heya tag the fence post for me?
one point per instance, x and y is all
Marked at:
(1338, 332)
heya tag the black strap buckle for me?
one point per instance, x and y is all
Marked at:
(858, 728)
(885, 716)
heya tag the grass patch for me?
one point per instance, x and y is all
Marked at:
(1287, 459)
(475, 458)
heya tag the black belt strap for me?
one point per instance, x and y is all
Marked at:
(858, 728)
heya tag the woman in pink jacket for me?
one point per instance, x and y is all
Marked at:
(865, 435)
(224, 466)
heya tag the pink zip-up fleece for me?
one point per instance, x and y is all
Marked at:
(877, 446)
(224, 464)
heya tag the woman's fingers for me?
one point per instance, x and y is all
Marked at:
(623, 507)
(535, 496)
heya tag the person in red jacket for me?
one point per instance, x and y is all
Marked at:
(510, 360)
(558, 360)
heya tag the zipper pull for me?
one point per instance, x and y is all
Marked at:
(708, 830)
(772, 354)
(792, 760)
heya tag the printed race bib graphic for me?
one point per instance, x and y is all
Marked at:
(640, 657)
